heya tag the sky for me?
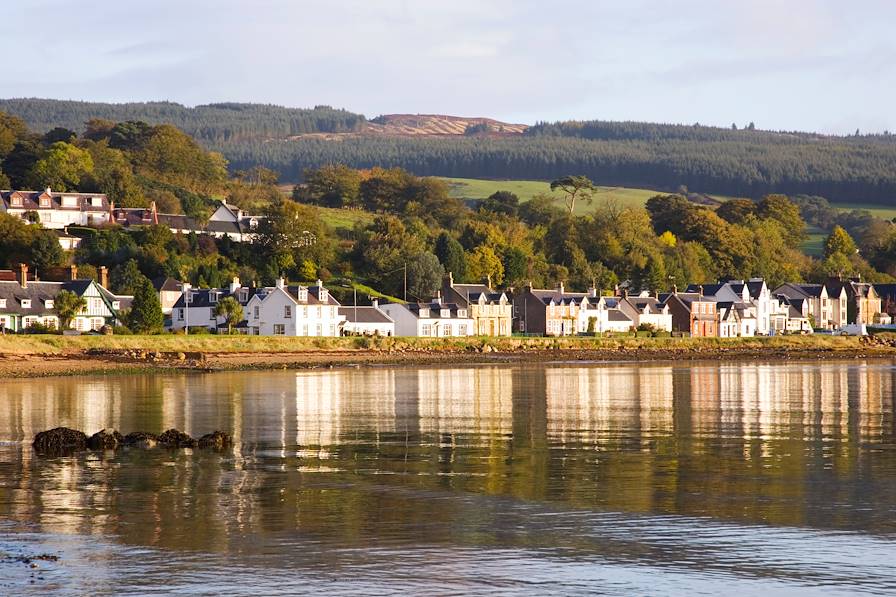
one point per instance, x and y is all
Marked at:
(819, 65)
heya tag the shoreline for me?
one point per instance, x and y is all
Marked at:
(35, 357)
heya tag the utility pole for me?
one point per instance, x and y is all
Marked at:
(405, 281)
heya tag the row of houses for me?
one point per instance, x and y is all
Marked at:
(733, 308)
(57, 211)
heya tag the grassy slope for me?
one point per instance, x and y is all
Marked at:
(469, 188)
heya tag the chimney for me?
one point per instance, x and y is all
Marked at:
(560, 288)
(674, 288)
(73, 269)
(700, 289)
(281, 282)
(488, 281)
(185, 289)
(375, 302)
(450, 279)
(23, 275)
(235, 285)
(154, 211)
(48, 191)
(104, 277)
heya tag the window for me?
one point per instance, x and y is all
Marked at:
(48, 303)
(305, 330)
(462, 329)
(116, 305)
(332, 329)
(29, 321)
(287, 311)
(425, 329)
(26, 303)
(244, 296)
(2, 303)
(96, 201)
(320, 331)
(424, 312)
(255, 311)
(445, 313)
(97, 323)
(461, 312)
(180, 314)
(188, 297)
(279, 329)
(213, 297)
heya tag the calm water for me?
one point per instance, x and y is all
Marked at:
(623, 479)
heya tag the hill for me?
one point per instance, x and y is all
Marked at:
(857, 169)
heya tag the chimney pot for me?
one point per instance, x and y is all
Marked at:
(74, 272)
(104, 276)
(23, 275)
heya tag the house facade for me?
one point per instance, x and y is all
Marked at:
(24, 303)
(602, 315)
(693, 314)
(285, 310)
(647, 310)
(366, 321)
(863, 304)
(491, 311)
(195, 307)
(227, 220)
(549, 312)
(436, 319)
(56, 210)
(825, 311)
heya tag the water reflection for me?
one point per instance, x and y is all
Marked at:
(576, 460)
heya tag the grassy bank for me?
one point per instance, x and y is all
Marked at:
(62, 345)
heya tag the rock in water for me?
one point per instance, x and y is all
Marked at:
(176, 439)
(59, 440)
(105, 440)
(216, 440)
(139, 439)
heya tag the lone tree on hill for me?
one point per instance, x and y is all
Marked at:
(230, 310)
(67, 305)
(146, 312)
(575, 188)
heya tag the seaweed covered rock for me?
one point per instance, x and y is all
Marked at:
(105, 440)
(59, 440)
(176, 439)
(140, 439)
(215, 440)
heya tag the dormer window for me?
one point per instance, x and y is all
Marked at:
(45, 202)
(96, 201)
(69, 201)
(116, 305)
(26, 303)
(461, 312)
(17, 202)
(424, 312)
(324, 295)
(2, 303)
(48, 304)
(244, 296)
(303, 295)
(213, 297)
(445, 313)
(188, 297)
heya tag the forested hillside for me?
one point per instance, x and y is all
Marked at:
(745, 162)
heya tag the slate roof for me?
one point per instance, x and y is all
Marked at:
(39, 292)
(617, 315)
(31, 200)
(200, 297)
(435, 310)
(792, 290)
(364, 315)
(167, 284)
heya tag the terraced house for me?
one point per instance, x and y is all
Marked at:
(25, 302)
(490, 310)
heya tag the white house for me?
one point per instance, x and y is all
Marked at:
(56, 210)
(24, 303)
(647, 310)
(227, 220)
(434, 319)
(604, 313)
(285, 310)
(196, 306)
(366, 321)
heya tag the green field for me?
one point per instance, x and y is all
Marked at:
(344, 219)
(881, 211)
(470, 188)
(814, 243)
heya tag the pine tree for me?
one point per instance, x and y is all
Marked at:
(146, 311)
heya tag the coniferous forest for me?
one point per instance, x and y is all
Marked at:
(739, 161)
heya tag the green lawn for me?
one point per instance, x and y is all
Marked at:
(470, 188)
